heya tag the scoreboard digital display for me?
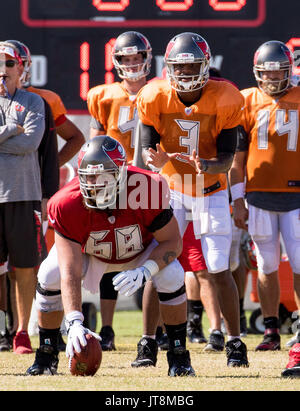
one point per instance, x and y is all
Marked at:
(71, 40)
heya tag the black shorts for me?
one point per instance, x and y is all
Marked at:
(21, 234)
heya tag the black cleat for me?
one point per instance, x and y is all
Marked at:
(46, 361)
(216, 341)
(6, 341)
(194, 330)
(236, 352)
(147, 353)
(180, 363)
(108, 338)
(162, 339)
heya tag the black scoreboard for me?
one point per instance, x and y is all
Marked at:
(74, 38)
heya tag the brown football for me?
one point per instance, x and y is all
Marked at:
(88, 361)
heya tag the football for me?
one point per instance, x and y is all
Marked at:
(88, 361)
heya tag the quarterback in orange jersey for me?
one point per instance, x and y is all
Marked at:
(113, 106)
(268, 157)
(65, 128)
(101, 227)
(192, 121)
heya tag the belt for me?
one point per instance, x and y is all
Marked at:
(211, 188)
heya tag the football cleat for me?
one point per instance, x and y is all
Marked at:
(216, 341)
(21, 343)
(147, 353)
(108, 338)
(194, 330)
(180, 363)
(46, 361)
(271, 340)
(294, 340)
(292, 369)
(162, 339)
(236, 352)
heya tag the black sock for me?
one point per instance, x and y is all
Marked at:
(49, 337)
(271, 322)
(3, 329)
(194, 307)
(242, 311)
(176, 335)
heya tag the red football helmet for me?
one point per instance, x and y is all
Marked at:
(102, 171)
(188, 48)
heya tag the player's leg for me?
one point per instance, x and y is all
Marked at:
(108, 301)
(50, 315)
(267, 248)
(216, 244)
(171, 292)
(147, 346)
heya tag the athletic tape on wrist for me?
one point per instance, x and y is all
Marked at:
(237, 191)
(73, 316)
(151, 266)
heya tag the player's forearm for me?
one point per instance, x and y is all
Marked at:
(218, 165)
(166, 252)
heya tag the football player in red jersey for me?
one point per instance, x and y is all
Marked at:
(268, 156)
(103, 224)
(193, 121)
(113, 110)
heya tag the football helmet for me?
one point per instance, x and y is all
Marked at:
(26, 60)
(187, 48)
(102, 171)
(273, 56)
(128, 44)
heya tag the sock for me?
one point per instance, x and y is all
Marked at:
(242, 311)
(271, 322)
(233, 337)
(194, 307)
(49, 337)
(176, 335)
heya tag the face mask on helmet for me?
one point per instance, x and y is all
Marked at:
(273, 57)
(102, 172)
(135, 48)
(187, 49)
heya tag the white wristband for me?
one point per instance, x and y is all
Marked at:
(152, 267)
(237, 191)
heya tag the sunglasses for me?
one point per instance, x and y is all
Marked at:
(8, 63)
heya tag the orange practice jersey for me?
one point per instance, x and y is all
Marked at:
(183, 129)
(57, 106)
(115, 109)
(272, 127)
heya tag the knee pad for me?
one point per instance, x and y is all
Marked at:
(175, 298)
(48, 300)
(169, 279)
(107, 291)
(267, 262)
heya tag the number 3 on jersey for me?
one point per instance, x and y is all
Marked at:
(289, 127)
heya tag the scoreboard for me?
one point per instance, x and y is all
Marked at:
(71, 40)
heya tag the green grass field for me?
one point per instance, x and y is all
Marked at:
(116, 374)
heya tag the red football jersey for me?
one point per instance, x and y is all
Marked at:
(116, 236)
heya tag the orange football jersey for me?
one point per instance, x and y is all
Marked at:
(183, 129)
(116, 111)
(272, 126)
(57, 106)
